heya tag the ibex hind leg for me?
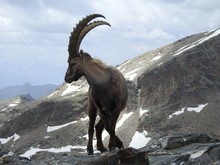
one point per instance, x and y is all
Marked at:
(99, 128)
(119, 143)
(110, 124)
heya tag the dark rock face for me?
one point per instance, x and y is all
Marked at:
(185, 81)
(185, 149)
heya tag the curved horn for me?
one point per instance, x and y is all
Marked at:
(88, 28)
(72, 48)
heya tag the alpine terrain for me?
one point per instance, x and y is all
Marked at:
(172, 115)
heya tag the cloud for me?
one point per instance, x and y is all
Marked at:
(37, 32)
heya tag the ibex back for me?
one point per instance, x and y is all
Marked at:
(108, 88)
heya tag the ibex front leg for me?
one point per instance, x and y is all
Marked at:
(92, 112)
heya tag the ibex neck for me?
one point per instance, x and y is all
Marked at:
(96, 76)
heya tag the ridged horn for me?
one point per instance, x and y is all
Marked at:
(88, 28)
(73, 47)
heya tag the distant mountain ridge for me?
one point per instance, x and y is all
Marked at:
(35, 91)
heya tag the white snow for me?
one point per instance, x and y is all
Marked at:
(9, 154)
(46, 137)
(160, 63)
(18, 101)
(119, 67)
(70, 88)
(49, 96)
(142, 111)
(197, 109)
(4, 109)
(15, 103)
(32, 151)
(217, 32)
(139, 139)
(6, 140)
(156, 58)
(122, 120)
(85, 118)
(119, 124)
(16, 137)
(12, 105)
(196, 43)
(54, 128)
(132, 74)
(189, 109)
(177, 113)
(197, 154)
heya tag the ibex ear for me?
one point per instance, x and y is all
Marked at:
(82, 55)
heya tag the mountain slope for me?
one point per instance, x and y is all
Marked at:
(173, 89)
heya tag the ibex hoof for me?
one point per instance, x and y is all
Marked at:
(120, 145)
(102, 149)
(90, 152)
(111, 148)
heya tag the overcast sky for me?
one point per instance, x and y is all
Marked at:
(34, 34)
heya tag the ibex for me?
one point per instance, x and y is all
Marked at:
(107, 86)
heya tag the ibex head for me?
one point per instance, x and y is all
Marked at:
(76, 57)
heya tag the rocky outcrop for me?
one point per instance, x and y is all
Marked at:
(182, 93)
(178, 149)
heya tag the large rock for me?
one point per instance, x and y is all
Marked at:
(185, 149)
(178, 149)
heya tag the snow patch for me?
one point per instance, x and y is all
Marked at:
(32, 151)
(156, 58)
(119, 124)
(123, 119)
(18, 101)
(120, 66)
(52, 94)
(6, 140)
(70, 88)
(177, 113)
(46, 137)
(196, 43)
(54, 128)
(85, 118)
(12, 105)
(4, 109)
(141, 112)
(139, 139)
(132, 74)
(197, 154)
(197, 109)
(189, 109)
(160, 63)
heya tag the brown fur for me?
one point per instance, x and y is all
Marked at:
(108, 88)
(107, 97)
